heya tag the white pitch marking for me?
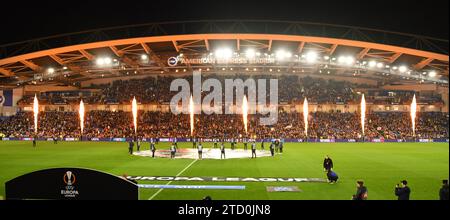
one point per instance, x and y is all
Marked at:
(181, 172)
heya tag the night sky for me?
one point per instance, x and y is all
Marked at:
(24, 20)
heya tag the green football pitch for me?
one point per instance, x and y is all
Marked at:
(380, 165)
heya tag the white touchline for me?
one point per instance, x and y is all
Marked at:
(181, 172)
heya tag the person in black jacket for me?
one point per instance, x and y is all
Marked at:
(402, 191)
(327, 164)
(361, 191)
(443, 192)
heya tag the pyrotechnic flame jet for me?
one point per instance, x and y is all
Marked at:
(134, 109)
(413, 114)
(81, 113)
(245, 113)
(35, 113)
(305, 115)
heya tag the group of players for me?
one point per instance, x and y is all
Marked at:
(276, 146)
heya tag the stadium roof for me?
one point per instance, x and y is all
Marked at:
(286, 47)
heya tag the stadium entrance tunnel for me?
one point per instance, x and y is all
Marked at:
(208, 153)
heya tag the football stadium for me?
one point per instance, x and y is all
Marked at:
(226, 110)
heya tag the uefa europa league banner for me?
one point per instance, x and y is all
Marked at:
(70, 184)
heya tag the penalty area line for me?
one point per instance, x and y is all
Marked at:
(181, 172)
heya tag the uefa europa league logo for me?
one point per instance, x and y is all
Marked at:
(69, 178)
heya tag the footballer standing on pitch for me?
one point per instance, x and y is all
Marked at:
(281, 146)
(194, 144)
(254, 149)
(245, 143)
(138, 144)
(34, 141)
(130, 147)
(173, 151)
(215, 142)
(272, 149)
(222, 150)
(200, 150)
(152, 148)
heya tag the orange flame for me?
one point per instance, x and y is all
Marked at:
(363, 114)
(134, 109)
(305, 115)
(81, 113)
(245, 113)
(191, 114)
(413, 114)
(35, 113)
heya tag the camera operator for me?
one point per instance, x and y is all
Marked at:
(402, 191)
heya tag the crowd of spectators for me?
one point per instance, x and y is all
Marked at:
(108, 124)
(291, 88)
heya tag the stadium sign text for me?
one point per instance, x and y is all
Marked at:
(174, 61)
(224, 179)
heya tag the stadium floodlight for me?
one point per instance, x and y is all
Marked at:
(281, 55)
(311, 57)
(403, 69)
(350, 60)
(107, 60)
(100, 62)
(224, 53)
(288, 54)
(50, 70)
(380, 65)
(347, 60)
(250, 53)
(104, 61)
(144, 57)
(432, 74)
(372, 64)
